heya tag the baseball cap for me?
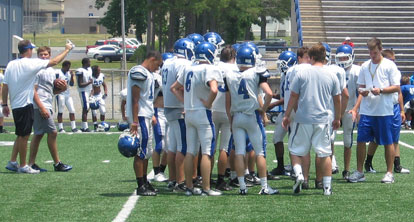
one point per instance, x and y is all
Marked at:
(348, 38)
(30, 46)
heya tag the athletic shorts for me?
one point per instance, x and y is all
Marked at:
(145, 137)
(200, 130)
(304, 136)
(23, 120)
(280, 132)
(41, 125)
(252, 126)
(63, 101)
(348, 127)
(396, 124)
(160, 130)
(375, 128)
(222, 127)
(84, 98)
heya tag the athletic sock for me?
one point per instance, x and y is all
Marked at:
(397, 161)
(140, 181)
(297, 169)
(280, 163)
(246, 171)
(369, 158)
(242, 183)
(162, 168)
(263, 182)
(95, 125)
(156, 170)
(327, 182)
(73, 124)
(220, 179)
(333, 162)
(85, 125)
(60, 125)
(145, 178)
(233, 175)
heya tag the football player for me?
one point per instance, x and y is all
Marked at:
(140, 112)
(84, 80)
(200, 82)
(407, 91)
(173, 110)
(98, 80)
(344, 58)
(1, 110)
(246, 116)
(312, 90)
(64, 98)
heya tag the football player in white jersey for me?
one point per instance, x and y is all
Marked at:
(399, 116)
(200, 82)
(173, 110)
(221, 122)
(84, 80)
(1, 110)
(312, 90)
(378, 80)
(140, 112)
(64, 98)
(246, 116)
(98, 80)
(344, 58)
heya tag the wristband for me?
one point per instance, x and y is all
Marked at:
(4, 104)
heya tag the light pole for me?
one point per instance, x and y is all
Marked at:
(124, 66)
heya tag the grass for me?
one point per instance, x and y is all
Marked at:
(96, 191)
(56, 39)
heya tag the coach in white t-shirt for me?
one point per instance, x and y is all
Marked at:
(19, 81)
(378, 79)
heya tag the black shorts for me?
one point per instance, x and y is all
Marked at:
(23, 120)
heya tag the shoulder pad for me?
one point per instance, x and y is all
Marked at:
(262, 71)
(138, 73)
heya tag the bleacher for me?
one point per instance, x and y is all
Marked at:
(331, 21)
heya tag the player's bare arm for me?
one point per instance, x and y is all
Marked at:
(81, 83)
(294, 98)
(136, 91)
(59, 58)
(344, 100)
(178, 90)
(337, 106)
(212, 95)
(43, 112)
(4, 95)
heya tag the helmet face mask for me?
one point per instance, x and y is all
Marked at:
(286, 60)
(205, 52)
(328, 52)
(93, 103)
(184, 47)
(344, 56)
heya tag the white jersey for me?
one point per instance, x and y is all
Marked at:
(123, 94)
(195, 80)
(144, 79)
(97, 82)
(44, 81)
(20, 76)
(86, 76)
(1, 78)
(244, 88)
(171, 69)
(219, 104)
(380, 75)
(287, 80)
(351, 83)
(64, 76)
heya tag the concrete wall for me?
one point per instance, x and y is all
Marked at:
(83, 25)
(10, 24)
(81, 16)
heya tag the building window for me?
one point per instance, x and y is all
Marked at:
(92, 29)
(54, 17)
(90, 14)
(14, 15)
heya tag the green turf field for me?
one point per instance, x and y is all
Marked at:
(97, 191)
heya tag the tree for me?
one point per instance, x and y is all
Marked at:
(276, 9)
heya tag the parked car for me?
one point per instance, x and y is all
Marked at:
(278, 45)
(97, 43)
(115, 56)
(274, 113)
(118, 42)
(102, 50)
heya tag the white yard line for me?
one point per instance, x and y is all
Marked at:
(127, 208)
(406, 145)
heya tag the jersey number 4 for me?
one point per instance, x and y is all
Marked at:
(188, 81)
(243, 90)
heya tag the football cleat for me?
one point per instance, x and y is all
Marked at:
(243, 192)
(192, 191)
(223, 186)
(144, 191)
(12, 166)
(318, 185)
(62, 131)
(150, 187)
(369, 168)
(345, 174)
(356, 176)
(171, 185)
(327, 191)
(234, 182)
(180, 188)
(305, 185)
(297, 187)
(268, 191)
(210, 193)
(252, 179)
(36, 167)
(388, 178)
(128, 145)
(62, 167)
(335, 170)
(160, 177)
(402, 170)
(279, 172)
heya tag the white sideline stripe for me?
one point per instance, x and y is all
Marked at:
(127, 208)
(406, 145)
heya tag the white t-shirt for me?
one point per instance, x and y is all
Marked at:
(144, 79)
(195, 80)
(86, 76)
(351, 83)
(316, 87)
(20, 77)
(219, 104)
(44, 81)
(244, 88)
(64, 76)
(171, 69)
(380, 76)
(287, 80)
(1, 78)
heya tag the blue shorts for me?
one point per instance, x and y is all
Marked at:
(376, 128)
(396, 125)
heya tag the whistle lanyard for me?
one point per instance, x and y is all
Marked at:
(375, 71)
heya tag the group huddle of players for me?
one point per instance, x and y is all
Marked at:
(205, 91)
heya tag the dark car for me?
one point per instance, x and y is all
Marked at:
(116, 56)
(278, 45)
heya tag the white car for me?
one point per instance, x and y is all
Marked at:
(102, 50)
(131, 42)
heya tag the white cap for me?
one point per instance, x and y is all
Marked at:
(348, 38)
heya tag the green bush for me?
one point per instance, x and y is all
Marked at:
(139, 54)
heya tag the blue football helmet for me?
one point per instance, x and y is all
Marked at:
(128, 145)
(103, 127)
(344, 56)
(122, 125)
(214, 38)
(245, 57)
(253, 46)
(205, 52)
(286, 60)
(328, 52)
(184, 47)
(196, 38)
(236, 46)
(167, 55)
(93, 103)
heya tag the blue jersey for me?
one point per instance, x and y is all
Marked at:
(407, 93)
